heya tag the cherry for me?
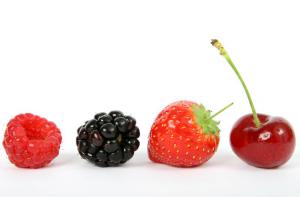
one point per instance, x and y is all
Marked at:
(267, 146)
(260, 140)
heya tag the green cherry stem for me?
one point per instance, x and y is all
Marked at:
(223, 109)
(224, 53)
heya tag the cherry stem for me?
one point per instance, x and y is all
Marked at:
(224, 53)
(220, 111)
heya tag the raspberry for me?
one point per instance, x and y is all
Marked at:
(108, 139)
(31, 141)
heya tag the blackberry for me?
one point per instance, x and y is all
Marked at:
(108, 139)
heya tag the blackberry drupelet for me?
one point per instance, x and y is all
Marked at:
(108, 139)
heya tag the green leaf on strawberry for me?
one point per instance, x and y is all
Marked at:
(204, 120)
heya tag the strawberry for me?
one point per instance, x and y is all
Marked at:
(184, 135)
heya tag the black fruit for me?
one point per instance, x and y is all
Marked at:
(91, 125)
(97, 116)
(109, 131)
(111, 146)
(115, 114)
(122, 124)
(133, 143)
(116, 157)
(108, 139)
(104, 119)
(131, 122)
(134, 133)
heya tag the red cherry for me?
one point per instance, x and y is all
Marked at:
(268, 146)
(260, 140)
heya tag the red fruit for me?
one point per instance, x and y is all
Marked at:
(267, 146)
(31, 141)
(183, 135)
(260, 140)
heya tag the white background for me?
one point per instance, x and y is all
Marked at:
(67, 60)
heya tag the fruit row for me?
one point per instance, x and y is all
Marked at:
(184, 134)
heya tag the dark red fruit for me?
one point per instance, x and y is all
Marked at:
(260, 140)
(268, 146)
(31, 141)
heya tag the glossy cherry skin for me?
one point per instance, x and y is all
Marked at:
(269, 146)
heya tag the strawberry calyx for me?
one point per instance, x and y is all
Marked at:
(204, 120)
